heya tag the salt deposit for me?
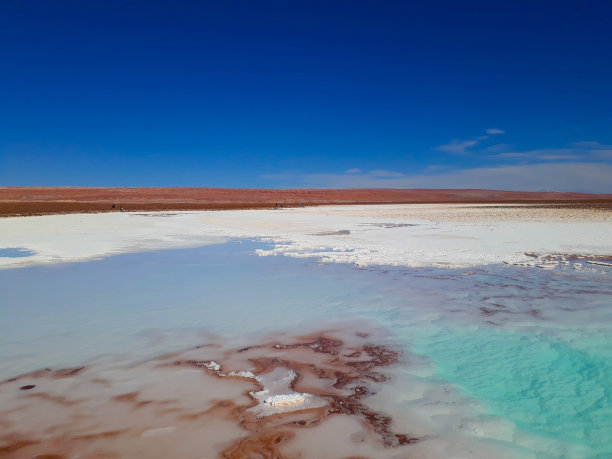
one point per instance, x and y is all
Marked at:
(286, 400)
(401, 235)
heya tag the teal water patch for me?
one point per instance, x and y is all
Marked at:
(543, 385)
(529, 347)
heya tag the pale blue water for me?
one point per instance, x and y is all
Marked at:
(16, 252)
(518, 347)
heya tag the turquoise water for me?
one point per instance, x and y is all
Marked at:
(545, 386)
(512, 356)
(533, 347)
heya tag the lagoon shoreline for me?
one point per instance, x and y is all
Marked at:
(416, 235)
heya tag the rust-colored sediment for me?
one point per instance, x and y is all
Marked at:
(53, 200)
(348, 376)
(341, 372)
(48, 373)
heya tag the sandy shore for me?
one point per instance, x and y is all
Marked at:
(446, 235)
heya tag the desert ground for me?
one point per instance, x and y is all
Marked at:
(22, 201)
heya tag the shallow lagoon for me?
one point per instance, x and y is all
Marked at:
(510, 358)
(15, 252)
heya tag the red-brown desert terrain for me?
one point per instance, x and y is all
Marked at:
(50, 200)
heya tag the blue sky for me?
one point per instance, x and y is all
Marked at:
(504, 95)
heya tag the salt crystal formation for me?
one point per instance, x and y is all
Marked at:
(286, 400)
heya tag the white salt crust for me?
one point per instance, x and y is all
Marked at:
(276, 395)
(416, 235)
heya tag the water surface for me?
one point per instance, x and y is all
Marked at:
(513, 358)
(16, 252)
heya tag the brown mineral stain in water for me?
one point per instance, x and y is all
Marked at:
(205, 402)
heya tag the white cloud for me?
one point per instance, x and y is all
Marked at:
(495, 131)
(352, 171)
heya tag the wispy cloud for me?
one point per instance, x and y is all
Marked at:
(583, 151)
(558, 157)
(595, 149)
(437, 168)
(498, 148)
(381, 173)
(510, 154)
(463, 147)
(602, 154)
(582, 166)
(591, 144)
(572, 176)
(458, 146)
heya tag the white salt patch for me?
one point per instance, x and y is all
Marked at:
(286, 400)
(214, 366)
(242, 374)
(290, 377)
(457, 235)
(548, 265)
(278, 397)
(599, 263)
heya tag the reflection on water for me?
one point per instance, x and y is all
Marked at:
(511, 358)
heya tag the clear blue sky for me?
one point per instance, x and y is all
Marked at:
(506, 95)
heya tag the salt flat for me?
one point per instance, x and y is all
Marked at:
(450, 235)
